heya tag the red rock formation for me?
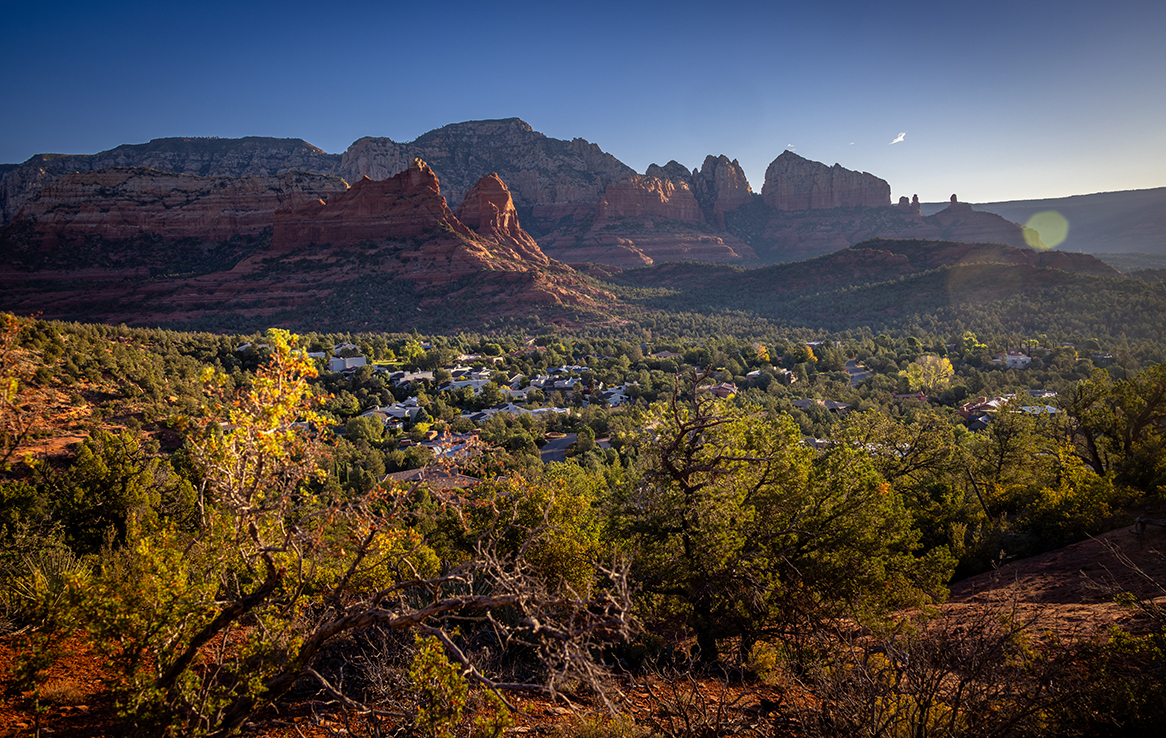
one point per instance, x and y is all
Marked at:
(720, 186)
(910, 207)
(409, 211)
(404, 230)
(795, 183)
(405, 206)
(126, 203)
(489, 211)
(642, 196)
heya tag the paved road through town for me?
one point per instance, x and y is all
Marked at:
(856, 372)
(556, 448)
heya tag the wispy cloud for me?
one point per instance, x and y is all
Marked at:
(899, 138)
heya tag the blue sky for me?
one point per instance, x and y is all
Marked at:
(995, 100)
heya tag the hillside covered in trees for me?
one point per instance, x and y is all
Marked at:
(239, 522)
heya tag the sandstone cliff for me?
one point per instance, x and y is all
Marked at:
(206, 157)
(720, 186)
(128, 203)
(641, 221)
(379, 255)
(795, 183)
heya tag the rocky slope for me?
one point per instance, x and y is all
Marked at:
(959, 222)
(128, 203)
(895, 283)
(205, 157)
(1133, 221)
(871, 262)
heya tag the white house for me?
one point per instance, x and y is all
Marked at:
(339, 363)
(1013, 359)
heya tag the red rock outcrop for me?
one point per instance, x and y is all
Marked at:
(126, 203)
(401, 207)
(488, 210)
(430, 245)
(643, 196)
(795, 183)
(641, 221)
(720, 186)
(910, 207)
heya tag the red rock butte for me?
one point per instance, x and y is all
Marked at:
(489, 210)
(795, 183)
(401, 207)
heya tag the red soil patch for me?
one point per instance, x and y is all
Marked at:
(1071, 591)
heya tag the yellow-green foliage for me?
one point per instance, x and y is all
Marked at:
(742, 523)
(553, 518)
(141, 609)
(393, 556)
(1075, 507)
(438, 688)
(494, 718)
(928, 373)
(764, 662)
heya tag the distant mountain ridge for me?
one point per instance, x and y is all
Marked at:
(1131, 221)
(578, 202)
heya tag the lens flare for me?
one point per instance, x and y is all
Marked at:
(1051, 229)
